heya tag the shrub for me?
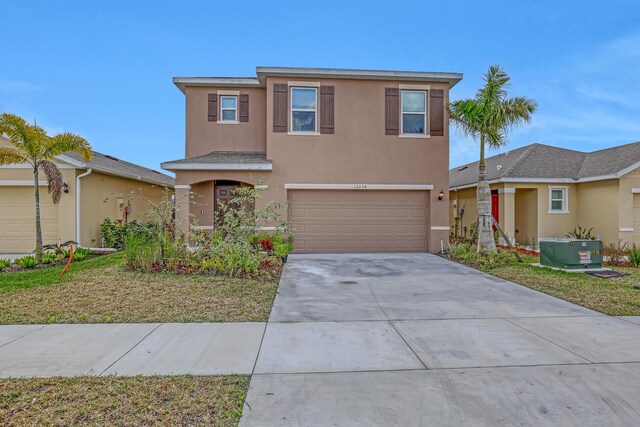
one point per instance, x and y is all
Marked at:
(59, 248)
(4, 263)
(581, 233)
(467, 254)
(49, 257)
(27, 262)
(141, 252)
(81, 253)
(616, 252)
(634, 256)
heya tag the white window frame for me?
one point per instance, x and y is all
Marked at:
(425, 134)
(235, 110)
(314, 110)
(565, 200)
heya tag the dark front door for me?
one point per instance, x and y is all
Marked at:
(224, 194)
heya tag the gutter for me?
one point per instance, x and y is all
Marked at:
(87, 173)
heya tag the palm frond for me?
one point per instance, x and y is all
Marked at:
(11, 156)
(466, 116)
(27, 138)
(64, 142)
(55, 180)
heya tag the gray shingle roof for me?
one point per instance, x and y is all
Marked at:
(539, 161)
(227, 157)
(106, 163)
(221, 159)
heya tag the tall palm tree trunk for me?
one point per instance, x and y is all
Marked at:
(486, 241)
(38, 225)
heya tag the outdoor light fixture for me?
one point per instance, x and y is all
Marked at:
(65, 188)
(441, 195)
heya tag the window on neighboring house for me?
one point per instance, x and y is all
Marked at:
(304, 112)
(558, 199)
(414, 112)
(228, 108)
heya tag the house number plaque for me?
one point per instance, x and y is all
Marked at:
(359, 186)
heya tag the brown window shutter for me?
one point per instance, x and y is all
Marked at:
(244, 108)
(280, 107)
(436, 105)
(392, 111)
(213, 107)
(326, 109)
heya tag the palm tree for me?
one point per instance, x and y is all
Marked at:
(488, 117)
(33, 146)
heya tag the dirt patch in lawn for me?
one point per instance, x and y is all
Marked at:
(105, 293)
(122, 401)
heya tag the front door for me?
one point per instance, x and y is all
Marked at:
(225, 194)
(495, 206)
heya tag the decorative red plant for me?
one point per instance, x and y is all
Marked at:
(267, 244)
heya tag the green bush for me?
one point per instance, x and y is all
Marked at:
(634, 256)
(114, 234)
(4, 263)
(467, 254)
(581, 233)
(49, 257)
(81, 253)
(27, 262)
(141, 252)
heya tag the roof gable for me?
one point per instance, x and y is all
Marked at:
(545, 162)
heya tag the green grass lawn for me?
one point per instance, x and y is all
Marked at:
(123, 401)
(616, 297)
(99, 290)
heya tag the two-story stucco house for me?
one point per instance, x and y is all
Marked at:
(360, 157)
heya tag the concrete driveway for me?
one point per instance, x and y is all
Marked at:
(413, 339)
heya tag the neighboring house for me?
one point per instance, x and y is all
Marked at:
(358, 156)
(540, 191)
(93, 191)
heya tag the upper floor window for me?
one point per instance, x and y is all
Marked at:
(558, 200)
(304, 111)
(228, 108)
(414, 112)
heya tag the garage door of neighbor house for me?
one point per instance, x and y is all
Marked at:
(18, 219)
(359, 220)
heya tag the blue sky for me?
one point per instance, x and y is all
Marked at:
(103, 69)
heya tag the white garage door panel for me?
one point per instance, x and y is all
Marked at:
(18, 223)
(359, 221)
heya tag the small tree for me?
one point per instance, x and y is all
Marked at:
(33, 146)
(488, 117)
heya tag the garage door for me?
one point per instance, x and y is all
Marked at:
(17, 219)
(359, 221)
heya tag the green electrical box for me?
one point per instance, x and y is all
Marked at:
(571, 254)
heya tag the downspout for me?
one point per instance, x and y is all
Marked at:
(87, 173)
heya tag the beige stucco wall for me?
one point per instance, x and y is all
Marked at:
(626, 212)
(526, 215)
(100, 194)
(465, 198)
(598, 205)
(204, 136)
(358, 152)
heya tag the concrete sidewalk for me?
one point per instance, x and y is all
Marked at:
(129, 349)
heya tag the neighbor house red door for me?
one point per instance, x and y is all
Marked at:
(495, 206)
